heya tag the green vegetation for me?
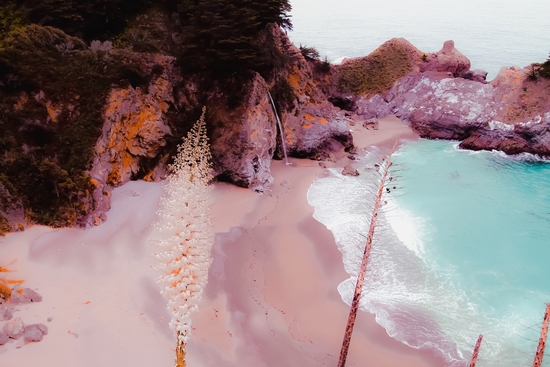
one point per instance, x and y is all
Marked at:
(46, 153)
(226, 37)
(309, 52)
(537, 70)
(60, 58)
(378, 71)
(544, 70)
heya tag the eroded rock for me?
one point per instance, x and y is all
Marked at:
(135, 129)
(34, 333)
(350, 171)
(24, 295)
(14, 328)
(243, 138)
(448, 60)
(4, 338)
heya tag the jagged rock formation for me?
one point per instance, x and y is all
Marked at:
(133, 134)
(243, 138)
(511, 113)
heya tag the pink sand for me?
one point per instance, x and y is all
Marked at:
(271, 299)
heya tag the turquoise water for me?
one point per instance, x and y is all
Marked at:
(462, 249)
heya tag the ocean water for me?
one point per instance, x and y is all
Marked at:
(491, 33)
(462, 248)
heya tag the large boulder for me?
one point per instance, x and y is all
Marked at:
(448, 60)
(24, 295)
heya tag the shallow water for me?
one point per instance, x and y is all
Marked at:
(461, 249)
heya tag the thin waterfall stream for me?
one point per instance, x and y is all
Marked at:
(280, 128)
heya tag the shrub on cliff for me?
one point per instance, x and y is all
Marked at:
(51, 100)
(378, 71)
(226, 36)
(90, 19)
(544, 70)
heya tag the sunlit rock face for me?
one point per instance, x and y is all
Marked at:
(511, 114)
(134, 130)
(313, 127)
(448, 59)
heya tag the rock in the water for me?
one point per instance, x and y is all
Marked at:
(24, 295)
(350, 171)
(14, 328)
(3, 338)
(448, 59)
(32, 334)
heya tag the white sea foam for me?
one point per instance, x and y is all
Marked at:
(415, 298)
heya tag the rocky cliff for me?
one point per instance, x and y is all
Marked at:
(72, 137)
(444, 99)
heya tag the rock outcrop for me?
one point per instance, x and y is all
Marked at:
(243, 138)
(246, 137)
(511, 113)
(313, 127)
(12, 213)
(448, 60)
(134, 132)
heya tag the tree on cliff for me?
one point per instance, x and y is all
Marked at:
(226, 36)
(185, 233)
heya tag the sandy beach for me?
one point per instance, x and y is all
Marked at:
(271, 299)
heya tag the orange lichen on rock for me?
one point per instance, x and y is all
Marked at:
(320, 120)
(5, 291)
(54, 111)
(294, 81)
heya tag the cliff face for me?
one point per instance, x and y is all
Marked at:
(134, 131)
(122, 116)
(245, 138)
(242, 126)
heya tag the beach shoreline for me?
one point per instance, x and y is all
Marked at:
(271, 299)
(272, 296)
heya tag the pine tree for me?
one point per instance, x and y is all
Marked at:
(185, 232)
(225, 36)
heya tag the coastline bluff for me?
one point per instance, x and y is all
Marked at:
(139, 137)
(441, 98)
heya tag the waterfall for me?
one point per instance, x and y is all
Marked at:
(280, 128)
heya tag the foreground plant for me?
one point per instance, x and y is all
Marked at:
(185, 232)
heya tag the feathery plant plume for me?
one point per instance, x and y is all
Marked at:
(185, 233)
